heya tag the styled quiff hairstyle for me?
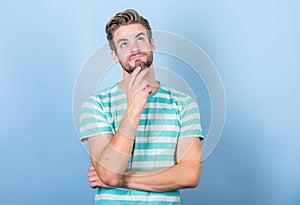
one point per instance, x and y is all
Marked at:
(126, 17)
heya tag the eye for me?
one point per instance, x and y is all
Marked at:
(123, 45)
(141, 39)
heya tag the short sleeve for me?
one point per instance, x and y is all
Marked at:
(93, 119)
(190, 120)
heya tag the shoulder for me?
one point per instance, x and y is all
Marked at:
(179, 97)
(109, 91)
(102, 97)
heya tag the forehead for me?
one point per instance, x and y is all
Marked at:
(126, 31)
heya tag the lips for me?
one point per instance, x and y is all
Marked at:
(136, 57)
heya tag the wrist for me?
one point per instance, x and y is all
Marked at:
(129, 124)
(133, 112)
(122, 181)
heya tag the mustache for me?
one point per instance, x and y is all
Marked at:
(138, 53)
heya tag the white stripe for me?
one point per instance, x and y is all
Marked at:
(95, 98)
(89, 115)
(159, 105)
(158, 127)
(191, 127)
(152, 164)
(116, 108)
(158, 116)
(114, 98)
(90, 105)
(154, 151)
(190, 106)
(191, 117)
(111, 90)
(176, 98)
(175, 91)
(156, 139)
(137, 198)
(91, 126)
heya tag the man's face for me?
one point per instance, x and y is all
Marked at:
(133, 48)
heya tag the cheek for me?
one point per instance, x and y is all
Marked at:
(124, 55)
(146, 48)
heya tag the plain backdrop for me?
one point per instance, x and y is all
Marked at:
(253, 44)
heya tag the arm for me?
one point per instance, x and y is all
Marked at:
(185, 174)
(93, 179)
(110, 154)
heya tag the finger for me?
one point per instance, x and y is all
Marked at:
(133, 75)
(147, 91)
(91, 173)
(140, 76)
(94, 185)
(144, 84)
(91, 168)
(93, 178)
(90, 180)
(137, 90)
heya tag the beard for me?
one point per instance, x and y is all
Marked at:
(129, 69)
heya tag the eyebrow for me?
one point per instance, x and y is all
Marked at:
(121, 40)
(140, 34)
(136, 36)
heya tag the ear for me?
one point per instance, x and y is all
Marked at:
(152, 44)
(115, 56)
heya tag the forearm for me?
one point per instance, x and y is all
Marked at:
(165, 179)
(113, 160)
(185, 174)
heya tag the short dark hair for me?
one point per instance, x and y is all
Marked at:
(126, 17)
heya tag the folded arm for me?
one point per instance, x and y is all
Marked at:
(185, 174)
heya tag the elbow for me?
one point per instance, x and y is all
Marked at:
(191, 180)
(110, 179)
(193, 183)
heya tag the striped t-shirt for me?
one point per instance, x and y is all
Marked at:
(168, 116)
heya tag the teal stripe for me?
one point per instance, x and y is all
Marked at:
(160, 100)
(94, 131)
(115, 103)
(153, 145)
(191, 111)
(116, 92)
(123, 202)
(153, 121)
(123, 192)
(195, 121)
(145, 168)
(91, 111)
(196, 132)
(188, 101)
(159, 110)
(155, 133)
(173, 93)
(93, 100)
(119, 112)
(88, 121)
(148, 158)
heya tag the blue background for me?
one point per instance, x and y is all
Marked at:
(253, 44)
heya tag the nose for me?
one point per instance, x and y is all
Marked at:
(134, 47)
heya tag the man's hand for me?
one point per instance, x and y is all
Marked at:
(94, 180)
(138, 89)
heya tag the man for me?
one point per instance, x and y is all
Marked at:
(144, 138)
